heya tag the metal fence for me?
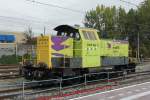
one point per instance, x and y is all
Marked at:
(72, 87)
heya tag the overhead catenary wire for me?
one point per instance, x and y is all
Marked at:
(28, 20)
(52, 5)
(22, 19)
(17, 26)
(130, 3)
(10, 22)
(57, 6)
(6, 20)
(73, 10)
(78, 11)
(21, 14)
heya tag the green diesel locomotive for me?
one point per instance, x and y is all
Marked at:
(77, 51)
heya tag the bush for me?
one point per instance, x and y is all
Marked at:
(9, 59)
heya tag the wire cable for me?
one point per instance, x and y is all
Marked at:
(130, 3)
(21, 19)
(57, 6)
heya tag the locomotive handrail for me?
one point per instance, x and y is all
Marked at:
(14, 85)
(79, 84)
(72, 78)
(42, 81)
(96, 80)
(97, 73)
(41, 91)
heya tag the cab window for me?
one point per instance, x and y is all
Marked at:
(89, 35)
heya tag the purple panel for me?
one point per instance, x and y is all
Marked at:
(57, 43)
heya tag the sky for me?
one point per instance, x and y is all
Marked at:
(18, 15)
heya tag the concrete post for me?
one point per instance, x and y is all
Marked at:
(85, 79)
(60, 85)
(108, 78)
(23, 91)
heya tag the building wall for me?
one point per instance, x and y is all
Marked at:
(7, 49)
(15, 48)
(11, 48)
(20, 38)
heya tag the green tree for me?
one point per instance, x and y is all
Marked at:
(122, 24)
(102, 18)
(144, 20)
(107, 20)
(132, 29)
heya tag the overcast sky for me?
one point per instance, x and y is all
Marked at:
(17, 15)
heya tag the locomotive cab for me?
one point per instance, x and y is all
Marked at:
(85, 46)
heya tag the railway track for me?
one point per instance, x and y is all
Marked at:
(9, 71)
(13, 91)
(29, 89)
(11, 94)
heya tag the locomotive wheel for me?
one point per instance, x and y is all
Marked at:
(125, 72)
(28, 74)
(35, 73)
(38, 75)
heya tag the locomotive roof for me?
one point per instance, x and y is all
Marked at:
(69, 28)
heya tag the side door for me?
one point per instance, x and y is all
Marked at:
(90, 50)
